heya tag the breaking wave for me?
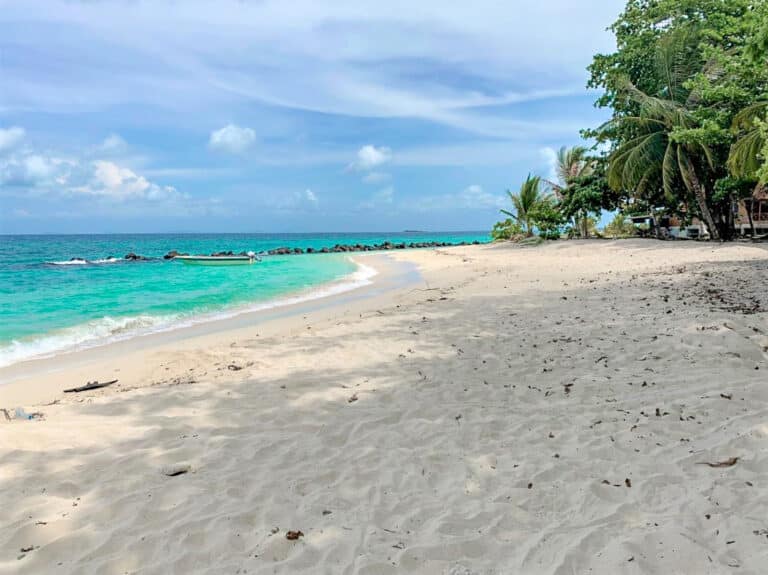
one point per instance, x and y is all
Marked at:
(107, 330)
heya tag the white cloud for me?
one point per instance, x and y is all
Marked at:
(113, 144)
(120, 184)
(28, 173)
(549, 155)
(31, 170)
(473, 197)
(232, 139)
(295, 201)
(10, 137)
(382, 198)
(310, 196)
(345, 58)
(370, 157)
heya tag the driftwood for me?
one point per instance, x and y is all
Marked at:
(89, 386)
(727, 463)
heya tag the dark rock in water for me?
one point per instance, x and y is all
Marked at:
(281, 251)
(337, 248)
(134, 257)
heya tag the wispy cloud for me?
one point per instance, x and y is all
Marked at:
(383, 198)
(350, 59)
(549, 155)
(10, 137)
(473, 197)
(113, 144)
(376, 177)
(257, 100)
(231, 138)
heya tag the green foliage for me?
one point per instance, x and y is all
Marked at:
(589, 194)
(662, 154)
(748, 153)
(710, 30)
(730, 188)
(582, 188)
(525, 202)
(679, 83)
(619, 227)
(688, 134)
(547, 219)
(507, 229)
(762, 172)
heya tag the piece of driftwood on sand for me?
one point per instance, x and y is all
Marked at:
(89, 386)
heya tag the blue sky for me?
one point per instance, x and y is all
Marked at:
(131, 116)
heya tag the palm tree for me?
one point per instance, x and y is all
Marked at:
(572, 163)
(744, 159)
(525, 201)
(655, 155)
(747, 156)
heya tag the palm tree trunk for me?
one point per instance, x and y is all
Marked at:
(701, 198)
(528, 228)
(751, 200)
(749, 215)
(584, 225)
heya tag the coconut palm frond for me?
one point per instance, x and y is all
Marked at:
(669, 172)
(525, 200)
(651, 158)
(745, 120)
(744, 158)
(683, 162)
(572, 163)
(677, 60)
(628, 165)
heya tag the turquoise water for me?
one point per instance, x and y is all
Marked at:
(49, 305)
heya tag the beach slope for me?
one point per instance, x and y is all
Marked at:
(576, 407)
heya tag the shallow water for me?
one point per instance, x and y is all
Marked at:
(51, 303)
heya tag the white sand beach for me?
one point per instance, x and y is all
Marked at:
(577, 407)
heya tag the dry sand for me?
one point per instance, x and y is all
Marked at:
(520, 410)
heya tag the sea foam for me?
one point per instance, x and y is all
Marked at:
(82, 262)
(106, 330)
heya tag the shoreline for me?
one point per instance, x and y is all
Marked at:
(358, 278)
(570, 407)
(377, 274)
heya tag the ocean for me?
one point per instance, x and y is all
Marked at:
(50, 303)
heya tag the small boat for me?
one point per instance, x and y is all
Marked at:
(219, 260)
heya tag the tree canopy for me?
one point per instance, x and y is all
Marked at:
(687, 90)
